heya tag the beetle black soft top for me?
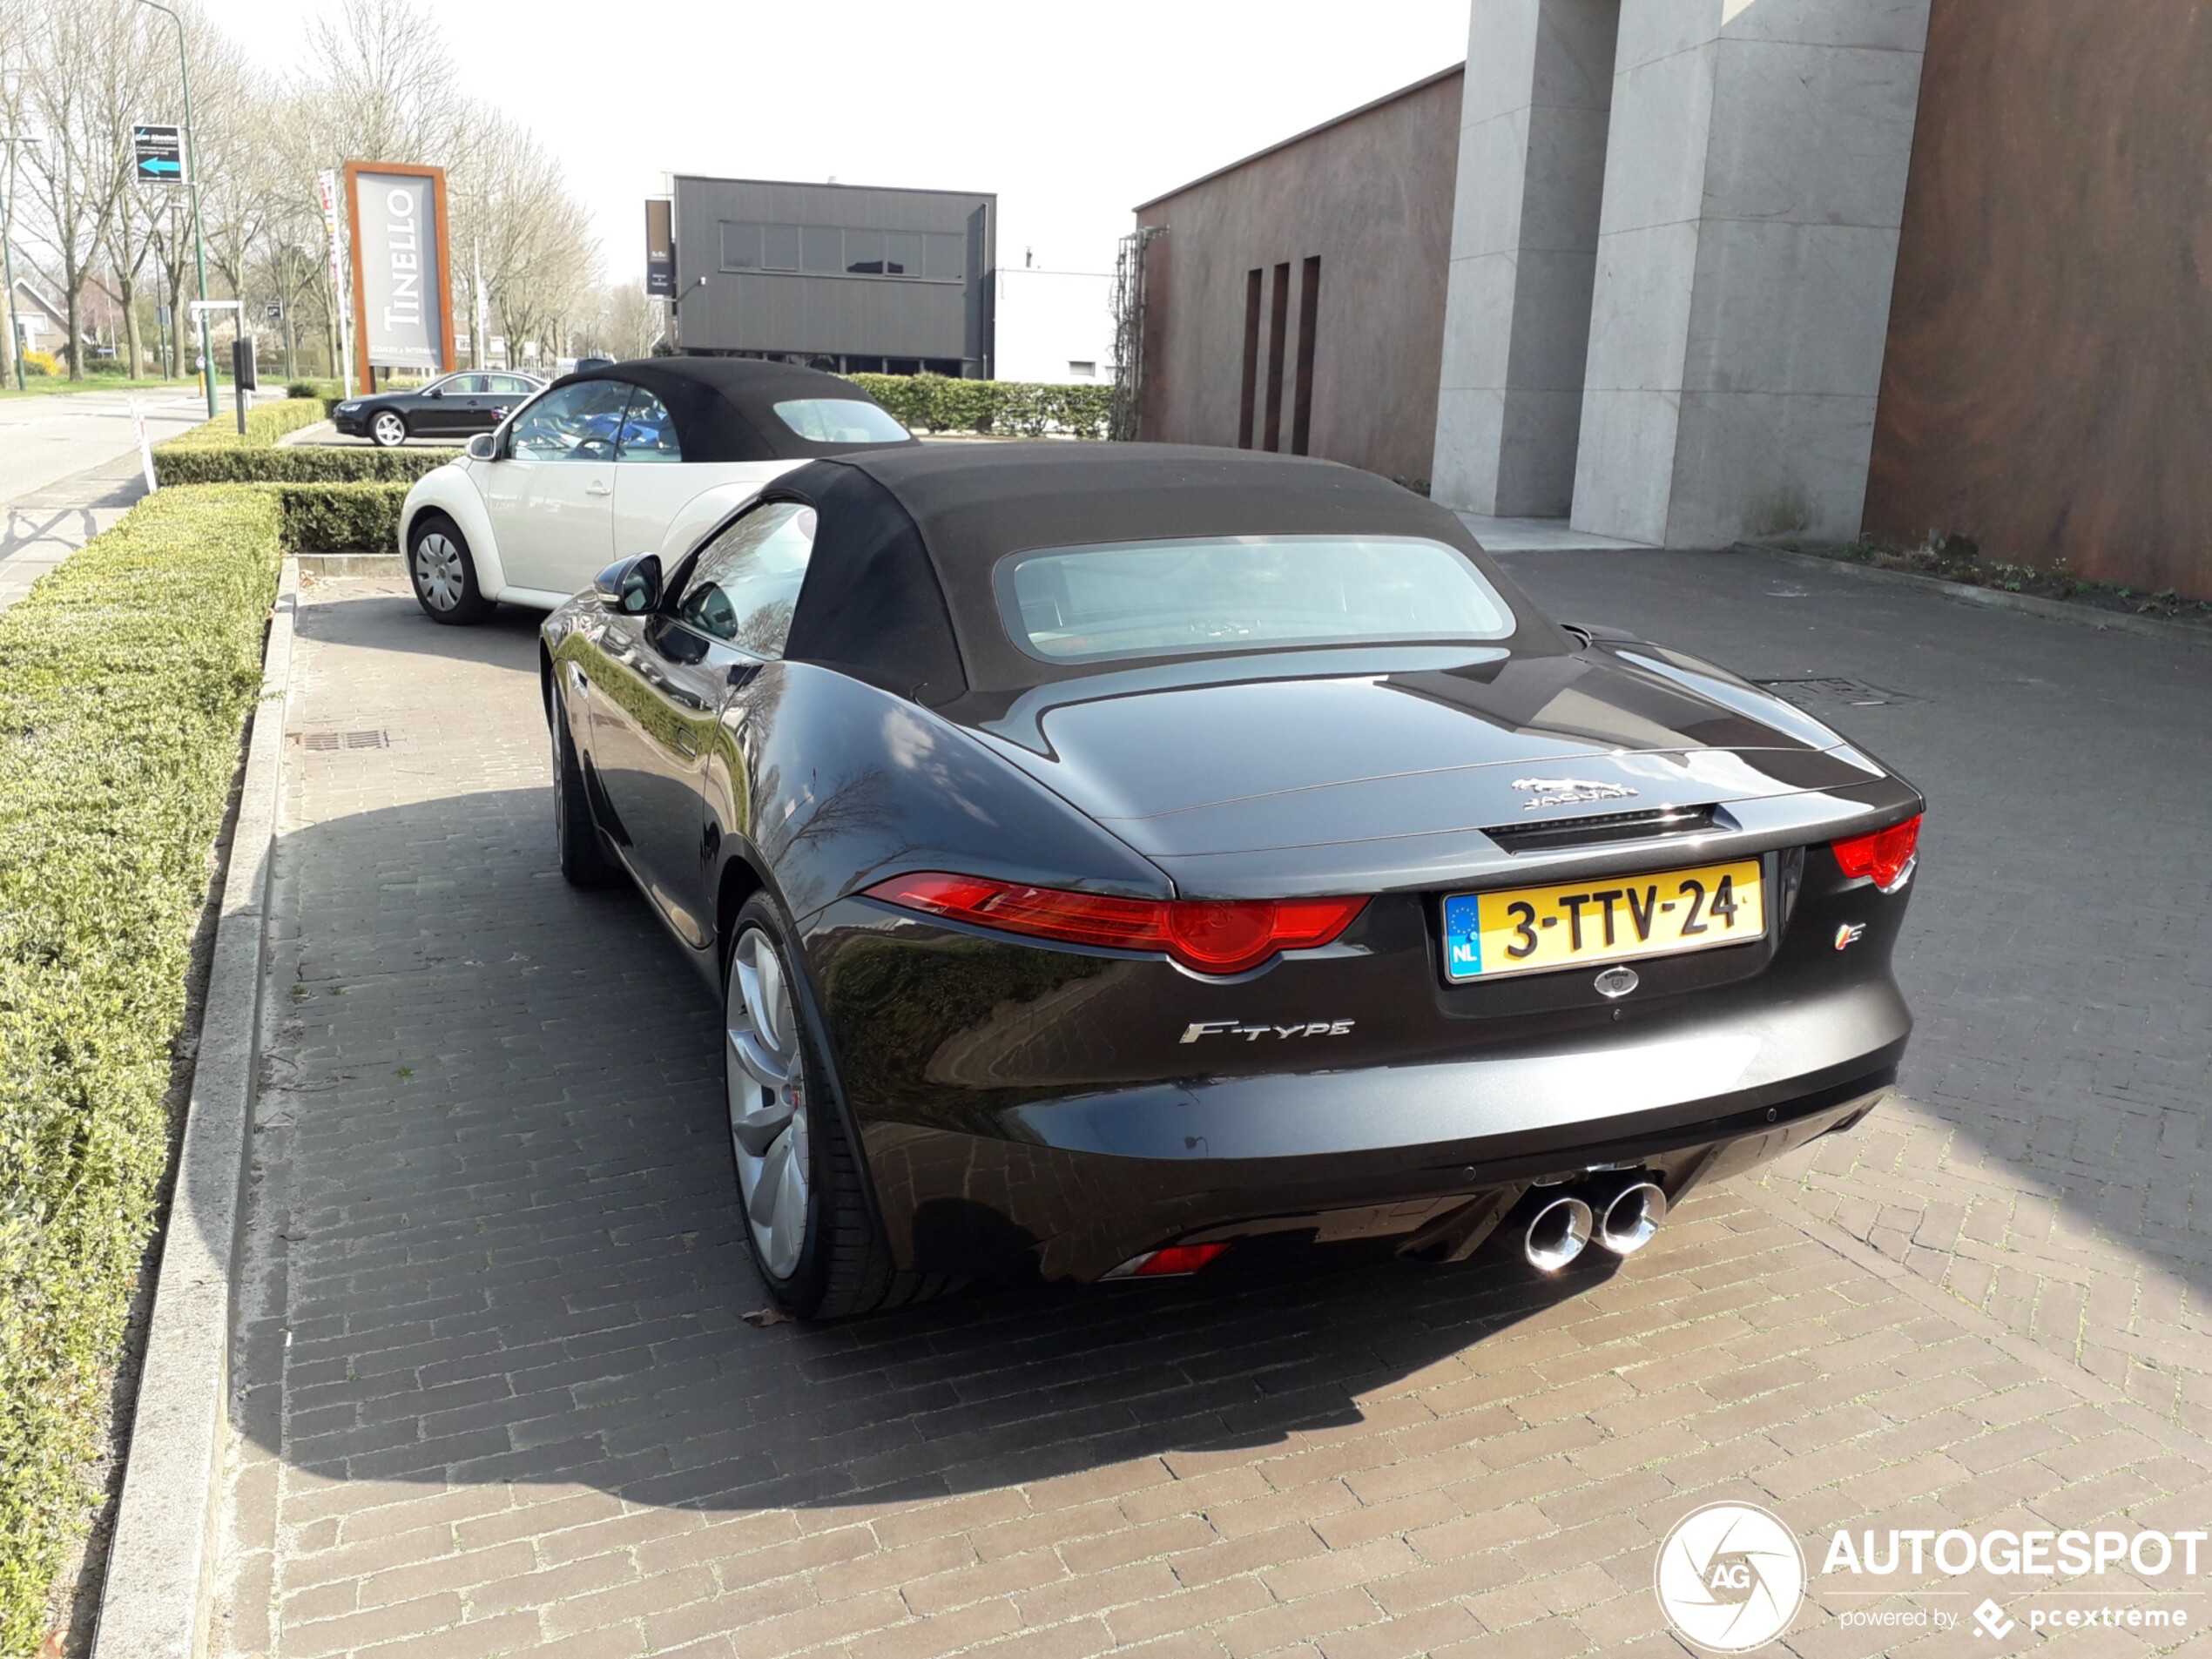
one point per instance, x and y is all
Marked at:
(900, 591)
(724, 407)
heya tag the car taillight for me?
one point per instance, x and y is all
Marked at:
(1206, 935)
(1885, 855)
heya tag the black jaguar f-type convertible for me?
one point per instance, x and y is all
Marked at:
(1113, 856)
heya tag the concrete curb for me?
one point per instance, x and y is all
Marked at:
(155, 1601)
(1993, 599)
(329, 564)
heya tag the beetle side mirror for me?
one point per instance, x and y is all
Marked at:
(483, 447)
(631, 585)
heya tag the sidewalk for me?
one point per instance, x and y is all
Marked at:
(498, 1396)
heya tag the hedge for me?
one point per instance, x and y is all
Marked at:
(215, 453)
(339, 518)
(305, 464)
(1012, 409)
(264, 424)
(126, 676)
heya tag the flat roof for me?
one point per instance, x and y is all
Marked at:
(1445, 73)
(831, 183)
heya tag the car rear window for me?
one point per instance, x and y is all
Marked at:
(1087, 604)
(840, 419)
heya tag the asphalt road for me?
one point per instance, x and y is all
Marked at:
(69, 467)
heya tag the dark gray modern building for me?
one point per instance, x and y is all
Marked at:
(839, 277)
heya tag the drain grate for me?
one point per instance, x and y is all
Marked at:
(1816, 691)
(372, 739)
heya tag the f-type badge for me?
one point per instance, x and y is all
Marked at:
(1617, 981)
(1566, 792)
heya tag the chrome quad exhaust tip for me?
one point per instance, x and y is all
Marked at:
(1558, 1233)
(1630, 1218)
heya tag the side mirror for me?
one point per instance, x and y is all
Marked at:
(631, 585)
(483, 447)
(434, 391)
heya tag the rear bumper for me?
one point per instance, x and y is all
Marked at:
(961, 1202)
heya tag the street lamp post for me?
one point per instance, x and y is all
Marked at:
(191, 182)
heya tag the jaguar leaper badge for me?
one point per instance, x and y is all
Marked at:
(1566, 792)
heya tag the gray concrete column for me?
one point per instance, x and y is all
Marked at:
(1524, 249)
(1754, 186)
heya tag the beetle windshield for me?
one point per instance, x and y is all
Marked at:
(1083, 604)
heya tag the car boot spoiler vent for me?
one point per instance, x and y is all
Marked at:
(1608, 826)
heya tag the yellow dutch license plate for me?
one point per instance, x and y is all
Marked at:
(1526, 930)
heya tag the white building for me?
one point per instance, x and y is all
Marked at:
(1055, 326)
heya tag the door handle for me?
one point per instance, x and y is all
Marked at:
(685, 747)
(595, 487)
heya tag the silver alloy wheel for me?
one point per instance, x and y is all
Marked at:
(438, 573)
(387, 428)
(768, 1117)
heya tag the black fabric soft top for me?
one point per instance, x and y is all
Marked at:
(900, 589)
(724, 407)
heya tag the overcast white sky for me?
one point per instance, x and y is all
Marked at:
(1072, 112)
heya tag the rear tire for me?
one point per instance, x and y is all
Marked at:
(585, 861)
(443, 573)
(788, 1145)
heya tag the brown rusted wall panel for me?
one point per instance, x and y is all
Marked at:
(2047, 388)
(1372, 197)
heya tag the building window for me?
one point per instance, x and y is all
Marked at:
(1082, 371)
(779, 247)
(1278, 323)
(1248, 401)
(1309, 309)
(831, 250)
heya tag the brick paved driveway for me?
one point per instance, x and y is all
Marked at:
(498, 1396)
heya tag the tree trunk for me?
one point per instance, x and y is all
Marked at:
(76, 340)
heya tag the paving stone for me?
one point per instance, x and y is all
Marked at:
(518, 1399)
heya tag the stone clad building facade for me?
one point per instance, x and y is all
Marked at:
(1717, 269)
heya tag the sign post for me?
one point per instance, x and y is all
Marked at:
(200, 310)
(402, 304)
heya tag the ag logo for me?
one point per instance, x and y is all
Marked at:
(1730, 1577)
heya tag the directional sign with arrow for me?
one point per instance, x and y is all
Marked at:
(157, 154)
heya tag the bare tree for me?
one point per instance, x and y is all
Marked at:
(516, 218)
(81, 167)
(123, 98)
(628, 322)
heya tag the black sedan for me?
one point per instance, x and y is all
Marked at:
(1112, 858)
(452, 406)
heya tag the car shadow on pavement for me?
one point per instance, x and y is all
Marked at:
(493, 1233)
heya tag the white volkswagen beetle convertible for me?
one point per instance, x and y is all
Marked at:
(630, 458)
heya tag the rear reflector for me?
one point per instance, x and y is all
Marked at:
(1206, 935)
(1171, 1263)
(1885, 855)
